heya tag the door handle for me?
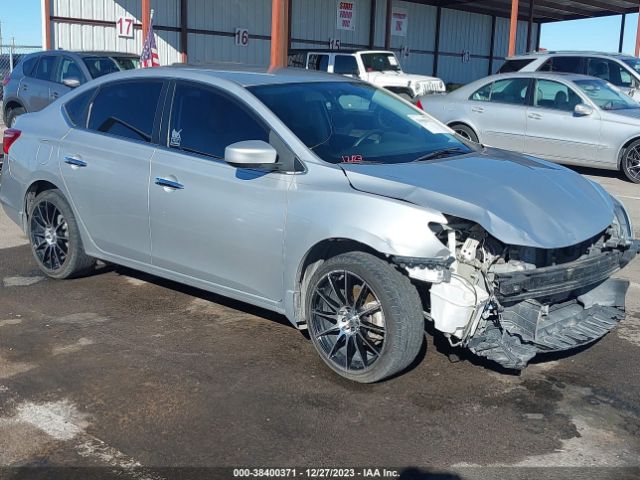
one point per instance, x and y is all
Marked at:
(477, 109)
(171, 184)
(75, 162)
(535, 116)
(25, 88)
(55, 95)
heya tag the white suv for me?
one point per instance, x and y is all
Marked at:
(379, 67)
(619, 69)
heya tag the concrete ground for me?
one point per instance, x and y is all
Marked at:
(129, 372)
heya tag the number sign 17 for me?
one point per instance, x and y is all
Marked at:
(124, 26)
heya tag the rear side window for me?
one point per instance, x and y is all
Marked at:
(609, 71)
(512, 91)
(345, 65)
(77, 108)
(126, 109)
(44, 70)
(205, 121)
(515, 65)
(28, 66)
(563, 64)
(318, 62)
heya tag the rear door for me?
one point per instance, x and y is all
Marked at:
(499, 110)
(554, 131)
(35, 88)
(106, 164)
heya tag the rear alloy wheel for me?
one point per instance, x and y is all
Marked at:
(465, 132)
(364, 317)
(55, 239)
(630, 164)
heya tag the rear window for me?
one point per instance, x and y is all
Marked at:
(515, 65)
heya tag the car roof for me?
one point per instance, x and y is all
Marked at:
(88, 53)
(343, 51)
(575, 53)
(243, 76)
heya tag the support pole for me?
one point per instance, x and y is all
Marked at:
(279, 35)
(387, 27)
(146, 16)
(436, 43)
(46, 31)
(638, 38)
(622, 22)
(513, 29)
(530, 25)
(492, 44)
(184, 33)
(372, 24)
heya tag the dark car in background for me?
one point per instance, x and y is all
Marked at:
(42, 77)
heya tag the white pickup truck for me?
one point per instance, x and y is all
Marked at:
(379, 67)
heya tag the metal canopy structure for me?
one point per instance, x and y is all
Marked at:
(544, 11)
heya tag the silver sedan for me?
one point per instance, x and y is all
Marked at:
(565, 118)
(326, 199)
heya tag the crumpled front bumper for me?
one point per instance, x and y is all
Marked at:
(555, 308)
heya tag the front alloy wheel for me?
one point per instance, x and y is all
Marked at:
(631, 162)
(364, 317)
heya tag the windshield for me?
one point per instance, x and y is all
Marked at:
(380, 62)
(632, 62)
(346, 122)
(605, 95)
(99, 66)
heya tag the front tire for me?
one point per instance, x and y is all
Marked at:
(55, 239)
(365, 318)
(465, 132)
(630, 163)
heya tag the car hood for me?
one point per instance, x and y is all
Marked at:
(518, 199)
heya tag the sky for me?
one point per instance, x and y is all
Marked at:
(21, 19)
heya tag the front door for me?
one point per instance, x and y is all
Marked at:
(106, 167)
(554, 131)
(209, 220)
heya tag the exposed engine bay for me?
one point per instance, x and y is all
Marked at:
(507, 303)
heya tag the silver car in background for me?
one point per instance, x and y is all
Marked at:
(329, 200)
(565, 118)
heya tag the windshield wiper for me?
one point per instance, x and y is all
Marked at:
(444, 152)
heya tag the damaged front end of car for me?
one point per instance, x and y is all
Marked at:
(508, 303)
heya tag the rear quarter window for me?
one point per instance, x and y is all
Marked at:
(78, 107)
(28, 65)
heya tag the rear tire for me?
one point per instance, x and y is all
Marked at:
(630, 163)
(465, 132)
(14, 113)
(365, 317)
(55, 239)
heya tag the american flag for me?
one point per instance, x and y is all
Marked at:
(149, 57)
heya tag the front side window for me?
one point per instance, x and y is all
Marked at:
(609, 71)
(126, 109)
(605, 96)
(344, 122)
(555, 95)
(68, 70)
(99, 66)
(205, 121)
(44, 70)
(345, 65)
(380, 62)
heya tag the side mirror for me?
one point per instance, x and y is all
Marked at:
(583, 110)
(250, 153)
(71, 82)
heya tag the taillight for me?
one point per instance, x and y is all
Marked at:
(419, 105)
(5, 80)
(10, 136)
